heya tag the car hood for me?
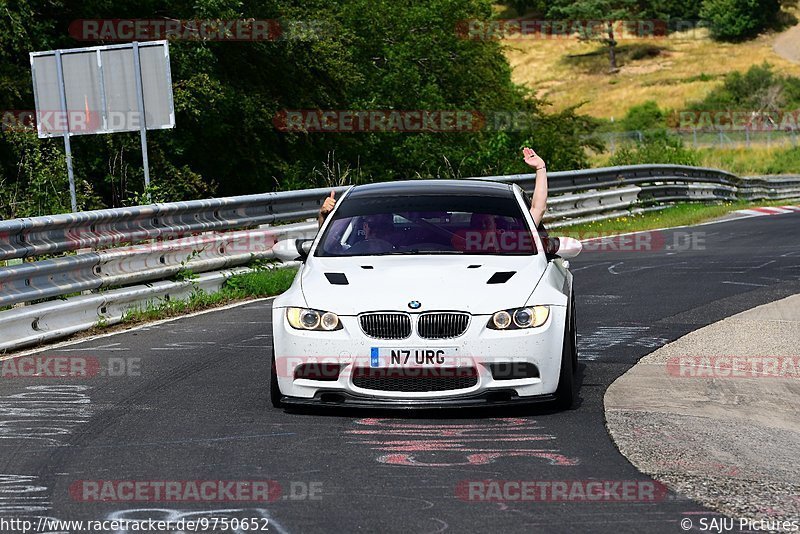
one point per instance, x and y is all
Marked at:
(438, 282)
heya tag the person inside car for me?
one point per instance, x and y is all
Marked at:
(483, 222)
(377, 226)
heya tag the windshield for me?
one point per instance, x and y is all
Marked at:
(427, 224)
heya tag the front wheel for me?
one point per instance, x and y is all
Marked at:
(274, 391)
(567, 389)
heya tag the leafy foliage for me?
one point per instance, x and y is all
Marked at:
(758, 89)
(38, 184)
(736, 20)
(642, 117)
(667, 10)
(658, 147)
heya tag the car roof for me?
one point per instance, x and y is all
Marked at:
(465, 187)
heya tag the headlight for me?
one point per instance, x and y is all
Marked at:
(329, 321)
(523, 317)
(501, 320)
(519, 318)
(307, 319)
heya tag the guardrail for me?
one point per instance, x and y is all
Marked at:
(113, 252)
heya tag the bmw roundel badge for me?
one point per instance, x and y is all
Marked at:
(415, 304)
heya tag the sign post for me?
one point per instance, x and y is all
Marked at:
(137, 72)
(73, 199)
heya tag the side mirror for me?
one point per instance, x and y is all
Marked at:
(568, 247)
(561, 247)
(292, 249)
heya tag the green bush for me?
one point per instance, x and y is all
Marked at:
(736, 20)
(39, 184)
(760, 88)
(643, 117)
(260, 283)
(656, 148)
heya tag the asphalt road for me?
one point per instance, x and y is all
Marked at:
(188, 400)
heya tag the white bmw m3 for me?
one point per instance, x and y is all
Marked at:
(427, 293)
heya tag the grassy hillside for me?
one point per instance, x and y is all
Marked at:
(671, 71)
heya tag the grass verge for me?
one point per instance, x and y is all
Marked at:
(260, 283)
(680, 214)
(752, 161)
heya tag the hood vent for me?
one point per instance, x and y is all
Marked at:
(501, 277)
(337, 279)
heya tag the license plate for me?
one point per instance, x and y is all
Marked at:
(405, 357)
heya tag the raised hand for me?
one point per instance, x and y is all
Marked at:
(326, 208)
(328, 205)
(532, 159)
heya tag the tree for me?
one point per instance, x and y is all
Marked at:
(523, 7)
(607, 11)
(666, 10)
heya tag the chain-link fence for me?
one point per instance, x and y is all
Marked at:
(703, 138)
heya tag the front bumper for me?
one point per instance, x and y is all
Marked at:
(479, 347)
(343, 399)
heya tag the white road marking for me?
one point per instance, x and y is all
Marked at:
(762, 265)
(767, 210)
(589, 266)
(593, 345)
(44, 413)
(112, 347)
(184, 345)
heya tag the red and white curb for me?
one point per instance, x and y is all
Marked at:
(775, 210)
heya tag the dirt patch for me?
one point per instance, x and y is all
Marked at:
(787, 44)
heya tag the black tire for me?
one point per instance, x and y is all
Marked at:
(566, 392)
(574, 327)
(274, 391)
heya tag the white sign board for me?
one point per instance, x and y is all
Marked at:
(101, 89)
